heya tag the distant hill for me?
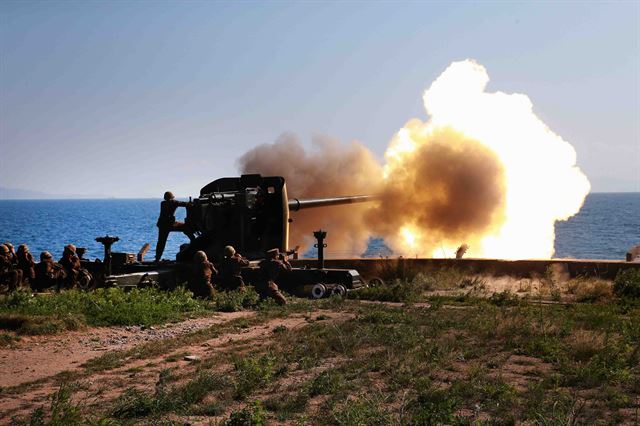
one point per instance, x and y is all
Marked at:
(25, 194)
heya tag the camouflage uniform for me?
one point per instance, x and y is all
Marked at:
(48, 273)
(271, 269)
(9, 274)
(76, 275)
(26, 263)
(230, 275)
(11, 256)
(167, 222)
(201, 273)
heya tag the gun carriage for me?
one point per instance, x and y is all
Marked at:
(251, 213)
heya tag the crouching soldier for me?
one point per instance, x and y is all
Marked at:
(76, 275)
(10, 276)
(202, 271)
(48, 273)
(230, 276)
(26, 264)
(272, 268)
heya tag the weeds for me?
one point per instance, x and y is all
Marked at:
(134, 403)
(63, 412)
(41, 314)
(253, 372)
(253, 415)
(627, 283)
(326, 383)
(235, 300)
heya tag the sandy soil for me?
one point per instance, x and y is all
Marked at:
(38, 357)
(29, 369)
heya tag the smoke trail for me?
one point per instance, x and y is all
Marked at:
(329, 169)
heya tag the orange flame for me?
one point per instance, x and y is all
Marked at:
(542, 183)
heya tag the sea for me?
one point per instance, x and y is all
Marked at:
(606, 227)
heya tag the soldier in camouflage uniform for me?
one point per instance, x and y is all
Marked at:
(26, 263)
(202, 271)
(272, 268)
(77, 277)
(12, 253)
(230, 276)
(48, 273)
(10, 276)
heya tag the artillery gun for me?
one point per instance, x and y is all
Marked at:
(251, 213)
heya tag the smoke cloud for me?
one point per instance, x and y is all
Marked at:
(482, 170)
(449, 187)
(329, 169)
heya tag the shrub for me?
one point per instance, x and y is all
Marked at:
(627, 283)
(233, 301)
(326, 383)
(252, 373)
(396, 291)
(253, 415)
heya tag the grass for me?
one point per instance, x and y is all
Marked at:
(26, 313)
(41, 314)
(456, 359)
(449, 363)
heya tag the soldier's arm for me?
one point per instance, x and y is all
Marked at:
(286, 265)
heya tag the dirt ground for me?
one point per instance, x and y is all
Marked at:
(341, 362)
(32, 369)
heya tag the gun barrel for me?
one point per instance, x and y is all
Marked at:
(296, 204)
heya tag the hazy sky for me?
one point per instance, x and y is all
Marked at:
(133, 98)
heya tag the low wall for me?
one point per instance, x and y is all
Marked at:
(401, 267)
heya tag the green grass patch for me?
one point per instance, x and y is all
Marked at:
(103, 307)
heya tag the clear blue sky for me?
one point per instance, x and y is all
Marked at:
(131, 98)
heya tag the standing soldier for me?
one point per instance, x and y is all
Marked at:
(230, 276)
(272, 268)
(167, 222)
(26, 263)
(48, 273)
(9, 274)
(200, 277)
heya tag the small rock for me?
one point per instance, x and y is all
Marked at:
(192, 358)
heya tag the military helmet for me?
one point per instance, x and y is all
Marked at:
(45, 255)
(8, 245)
(229, 251)
(4, 249)
(70, 248)
(168, 196)
(200, 256)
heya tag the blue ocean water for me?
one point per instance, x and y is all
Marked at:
(606, 227)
